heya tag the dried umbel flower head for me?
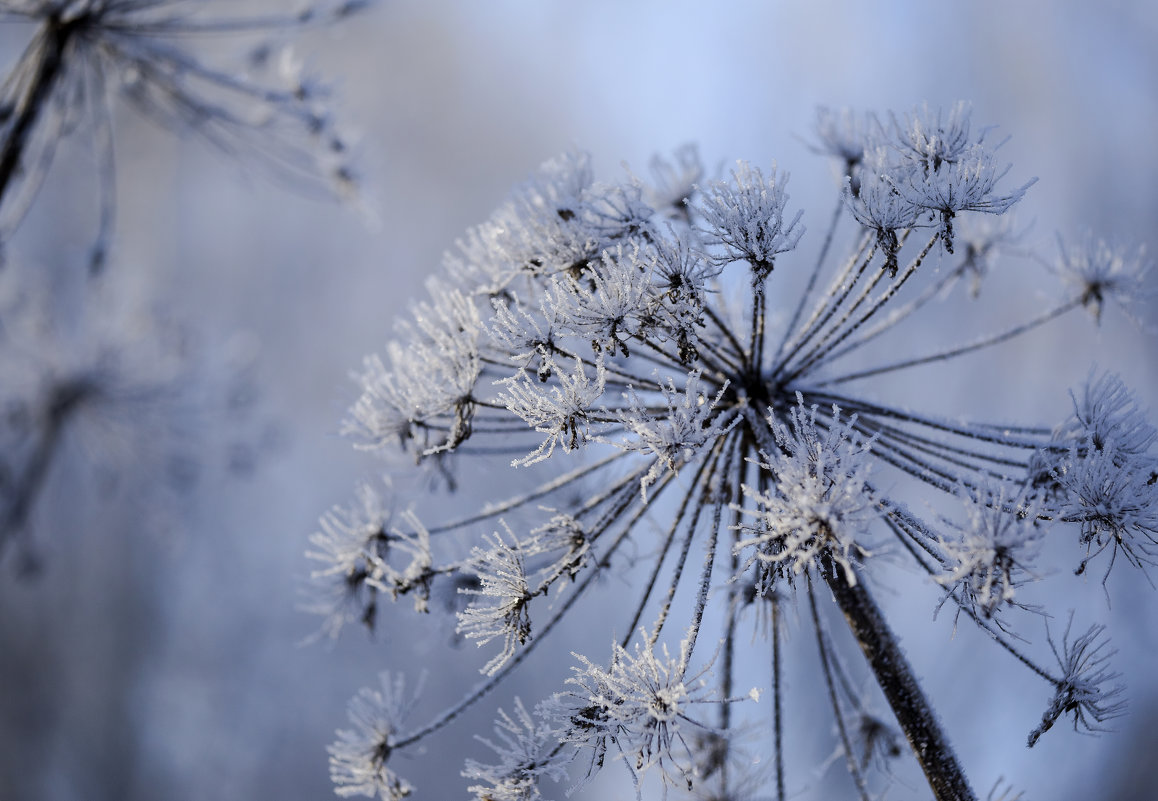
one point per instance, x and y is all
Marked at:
(82, 53)
(661, 419)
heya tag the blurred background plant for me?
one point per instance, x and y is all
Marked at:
(118, 408)
(178, 644)
(70, 342)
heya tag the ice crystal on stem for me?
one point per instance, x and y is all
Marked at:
(674, 427)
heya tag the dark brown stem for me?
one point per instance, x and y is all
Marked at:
(52, 41)
(896, 679)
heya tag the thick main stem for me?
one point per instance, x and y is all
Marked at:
(895, 677)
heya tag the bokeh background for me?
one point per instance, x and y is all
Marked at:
(156, 650)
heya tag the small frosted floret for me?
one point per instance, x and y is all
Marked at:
(358, 758)
(875, 203)
(993, 551)
(820, 504)
(609, 306)
(502, 577)
(1115, 505)
(1098, 271)
(528, 338)
(526, 751)
(614, 211)
(843, 133)
(968, 183)
(382, 414)
(429, 385)
(640, 704)
(351, 547)
(681, 278)
(1106, 412)
(540, 231)
(558, 186)
(364, 554)
(682, 272)
(1087, 688)
(673, 435)
(566, 541)
(674, 182)
(412, 574)
(746, 217)
(984, 237)
(934, 138)
(562, 410)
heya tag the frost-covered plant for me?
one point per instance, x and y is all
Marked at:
(73, 355)
(622, 360)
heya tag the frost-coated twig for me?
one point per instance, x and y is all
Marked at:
(945, 355)
(813, 277)
(696, 500)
